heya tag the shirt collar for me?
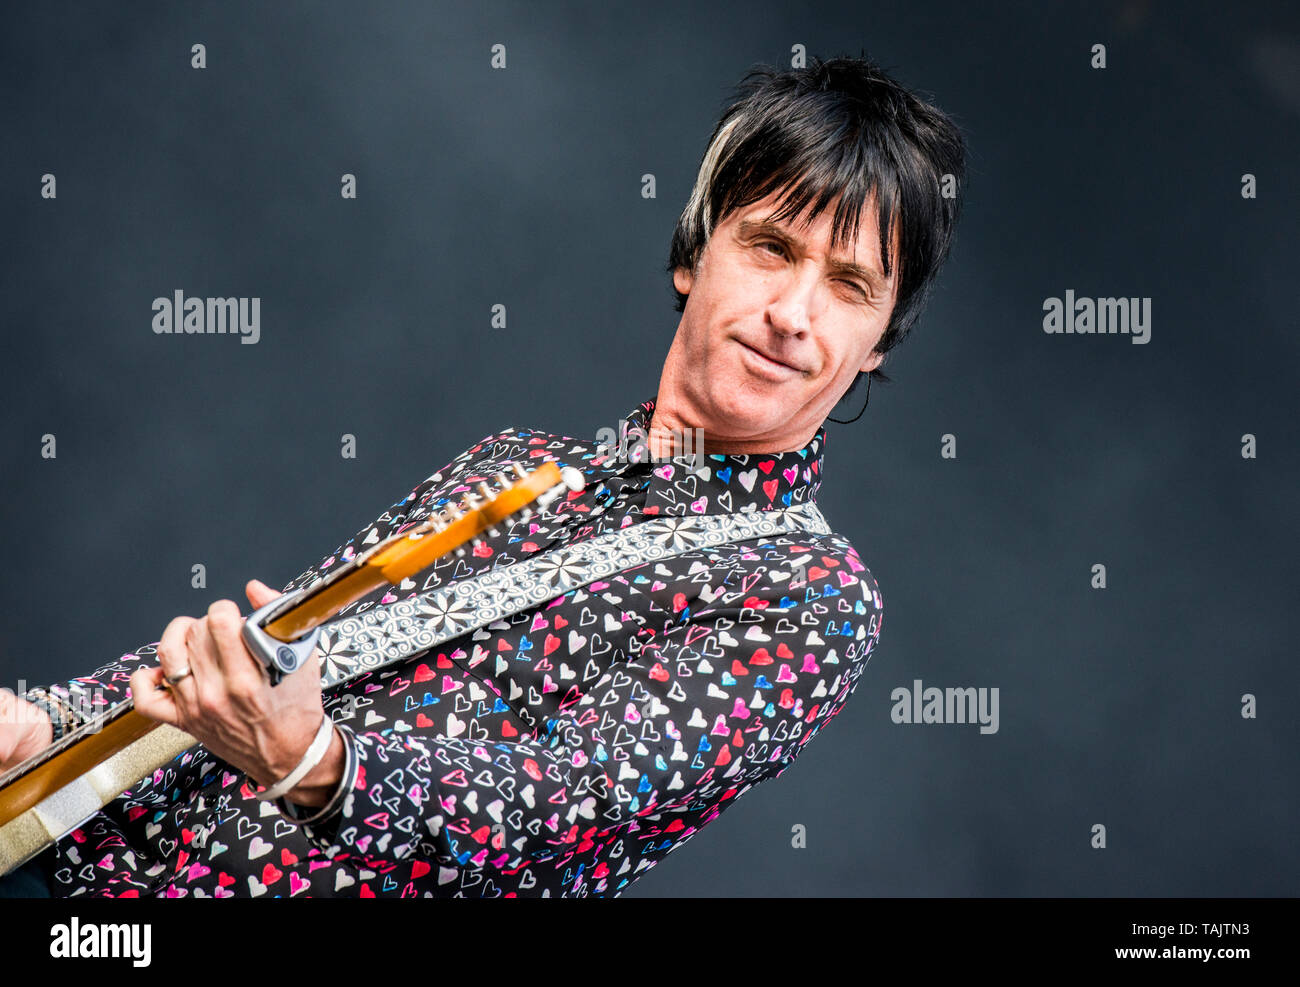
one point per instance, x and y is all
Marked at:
(721, 482)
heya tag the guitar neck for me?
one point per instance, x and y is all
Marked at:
(50, 794)
(415, 548)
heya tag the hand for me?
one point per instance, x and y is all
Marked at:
(228, 704)
(25, 730)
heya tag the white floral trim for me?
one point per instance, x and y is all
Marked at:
(359, 644)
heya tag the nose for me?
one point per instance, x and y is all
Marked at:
(791, 312)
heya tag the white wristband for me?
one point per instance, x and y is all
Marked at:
(309, 760)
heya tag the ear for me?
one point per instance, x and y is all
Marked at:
(683, 280)
(872, 362)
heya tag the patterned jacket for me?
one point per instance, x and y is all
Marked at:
(561, 752)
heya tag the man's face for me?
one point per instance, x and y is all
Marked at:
(775, 327)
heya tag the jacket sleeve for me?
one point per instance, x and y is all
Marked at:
(704, 706)
(88, 696)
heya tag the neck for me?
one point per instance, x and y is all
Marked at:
(675, 428)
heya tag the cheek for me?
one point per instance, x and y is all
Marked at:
(856, 351)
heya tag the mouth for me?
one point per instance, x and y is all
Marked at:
(769, 363)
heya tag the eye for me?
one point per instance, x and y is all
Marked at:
(856, 287)
(780, 249)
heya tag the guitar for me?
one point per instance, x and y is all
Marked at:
(50, 794)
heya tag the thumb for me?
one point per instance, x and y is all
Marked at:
(259, 594)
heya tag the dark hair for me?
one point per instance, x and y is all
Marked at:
(836, 128)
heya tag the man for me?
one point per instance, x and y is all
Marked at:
(569, 748)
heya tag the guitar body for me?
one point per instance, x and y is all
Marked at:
(55, 796)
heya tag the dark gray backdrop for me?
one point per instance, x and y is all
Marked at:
(522, 186)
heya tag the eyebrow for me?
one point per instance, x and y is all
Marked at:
(763, 227)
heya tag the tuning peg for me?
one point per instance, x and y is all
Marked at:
(503, 481)
(485, 491)
(519, 470)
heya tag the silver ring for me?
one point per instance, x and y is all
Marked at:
(173, 679)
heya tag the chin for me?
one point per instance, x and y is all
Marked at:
(744, 411)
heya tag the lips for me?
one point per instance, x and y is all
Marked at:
(779, 363)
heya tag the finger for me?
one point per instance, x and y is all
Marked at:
(212, 686)
(152, 699)
(8, 718)
(242, 672)
(259, 594)
(174, 657)
(223, 618)
(201, 654)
